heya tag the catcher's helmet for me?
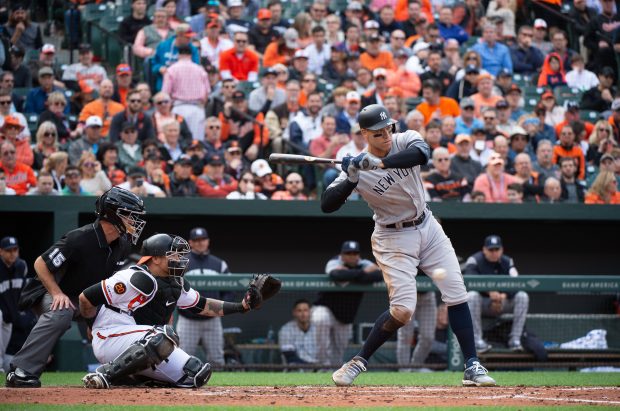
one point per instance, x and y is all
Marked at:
(122, 208)
(375, 117)
(174, 248)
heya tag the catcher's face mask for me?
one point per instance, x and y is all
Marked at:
(177, 258)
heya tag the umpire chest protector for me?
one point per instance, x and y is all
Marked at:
(159, 309)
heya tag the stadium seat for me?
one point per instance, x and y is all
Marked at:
(32, 119)
(21, 91)
(413, 102)
(247, 86)
(589, 115)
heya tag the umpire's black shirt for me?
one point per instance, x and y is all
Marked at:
(83, 257)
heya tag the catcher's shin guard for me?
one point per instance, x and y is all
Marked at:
(196, 375)
(148, 352)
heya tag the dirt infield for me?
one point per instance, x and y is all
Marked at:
(314, 396)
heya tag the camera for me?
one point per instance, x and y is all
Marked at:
(139, 182)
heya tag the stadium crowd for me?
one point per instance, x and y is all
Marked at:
(518, 100)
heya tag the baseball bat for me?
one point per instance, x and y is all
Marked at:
(278, 158)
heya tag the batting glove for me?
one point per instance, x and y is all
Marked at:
(352, 172)
(366, 161)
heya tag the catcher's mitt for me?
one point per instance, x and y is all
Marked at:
(262, 287)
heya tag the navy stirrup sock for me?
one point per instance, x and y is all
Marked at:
(463, 329)
(380, 333)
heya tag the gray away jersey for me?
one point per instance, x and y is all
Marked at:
(394, 194)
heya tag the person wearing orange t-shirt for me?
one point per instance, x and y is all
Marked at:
(374, 58)
(104, 107)
(572, 114)
(18, 176)
(294, 186)
(604, 189)
(568, 148)
(239, 62)
(484, 97)
(435, 106)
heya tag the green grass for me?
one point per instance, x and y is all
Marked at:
(536, 378)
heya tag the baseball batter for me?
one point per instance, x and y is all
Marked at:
(130, 332)
(406, 236)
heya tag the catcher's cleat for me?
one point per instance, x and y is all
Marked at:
(477, 376)
(348, 372)
(19, 378)
(95, 380)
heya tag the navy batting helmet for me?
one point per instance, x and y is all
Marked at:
(375, 117)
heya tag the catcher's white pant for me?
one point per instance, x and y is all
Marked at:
(426, 320)
(399, 252)
(209, 333)
(109, 343)
(332, 336)
(194, 116)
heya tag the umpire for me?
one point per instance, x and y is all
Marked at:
(81, 258)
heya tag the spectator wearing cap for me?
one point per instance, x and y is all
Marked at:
(300, 67)
(13, 273)
(11, 130)
(239, 62)
(84, 75)
(213, 43)
(104, 107)
(579, 77)
(167, 52)
(37, 97)
(494, 182)
(268, 95)
(234, 162)
(89, 141)
(348, 117)
(599, 98)
(374, 57)
(5, 110)
(434, 71)
(514, 100)
(267, 182)
(129, 149)
(135, 115)
(492, 261)
(539, 40)
(554, 113)
(214, 182)
(149, 37)
(448, 29)
(17, 175)
(47, 58)
(293, 189)
(505, 124)
(519, 142)
(376, 94)
(435, 106)
(181, 183)
(495, 56)
(237, 125)
(601, 37)
(20, 30)
(467, 122)
(195, 329)
(569, 147)
(122, 83)
(526, 59)
(466, 86)
(130, 26)
(262, 33)
(236, 21)
(137, 183)
(197, 153)
(462, 163)
(484, 97)
(187, 83)
(572, 114)
(282, 49)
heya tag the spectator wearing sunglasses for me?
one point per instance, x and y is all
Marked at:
(18, 176)
(55, 113)
(94, 179)
(5, 110)
(133, 114)
(10, 131)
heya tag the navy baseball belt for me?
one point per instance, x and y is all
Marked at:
(406, 224)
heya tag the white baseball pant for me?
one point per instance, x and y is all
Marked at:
(332, 336)
(209, 333)
(426, 320)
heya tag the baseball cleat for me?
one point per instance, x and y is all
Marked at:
(482, 346)
(515, 345)
(95, 380)
(348, 372)
(477, 376)
(19, 378)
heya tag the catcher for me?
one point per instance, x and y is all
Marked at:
(130, 332)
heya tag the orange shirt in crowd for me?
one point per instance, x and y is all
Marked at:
(480, 102)
(447, 107)
(402, 14)
(589, 128)
(23, 151)
(239, 68)
(273, 57)
(20, 179)
(407, 81)
(382, 60)
(105, 111)
(592, 198)
(285, 195)
(575, 152)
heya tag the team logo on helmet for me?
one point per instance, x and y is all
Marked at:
(383, 115)
(119, 288)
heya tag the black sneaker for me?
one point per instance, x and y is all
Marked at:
(19, 378)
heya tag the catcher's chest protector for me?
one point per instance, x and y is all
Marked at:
(160, 308)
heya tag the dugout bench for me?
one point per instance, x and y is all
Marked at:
(259, 353)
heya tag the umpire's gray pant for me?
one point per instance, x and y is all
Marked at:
(426, 319)
(51, 325)
(208, 332)
(518, 305)
(332, 336)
